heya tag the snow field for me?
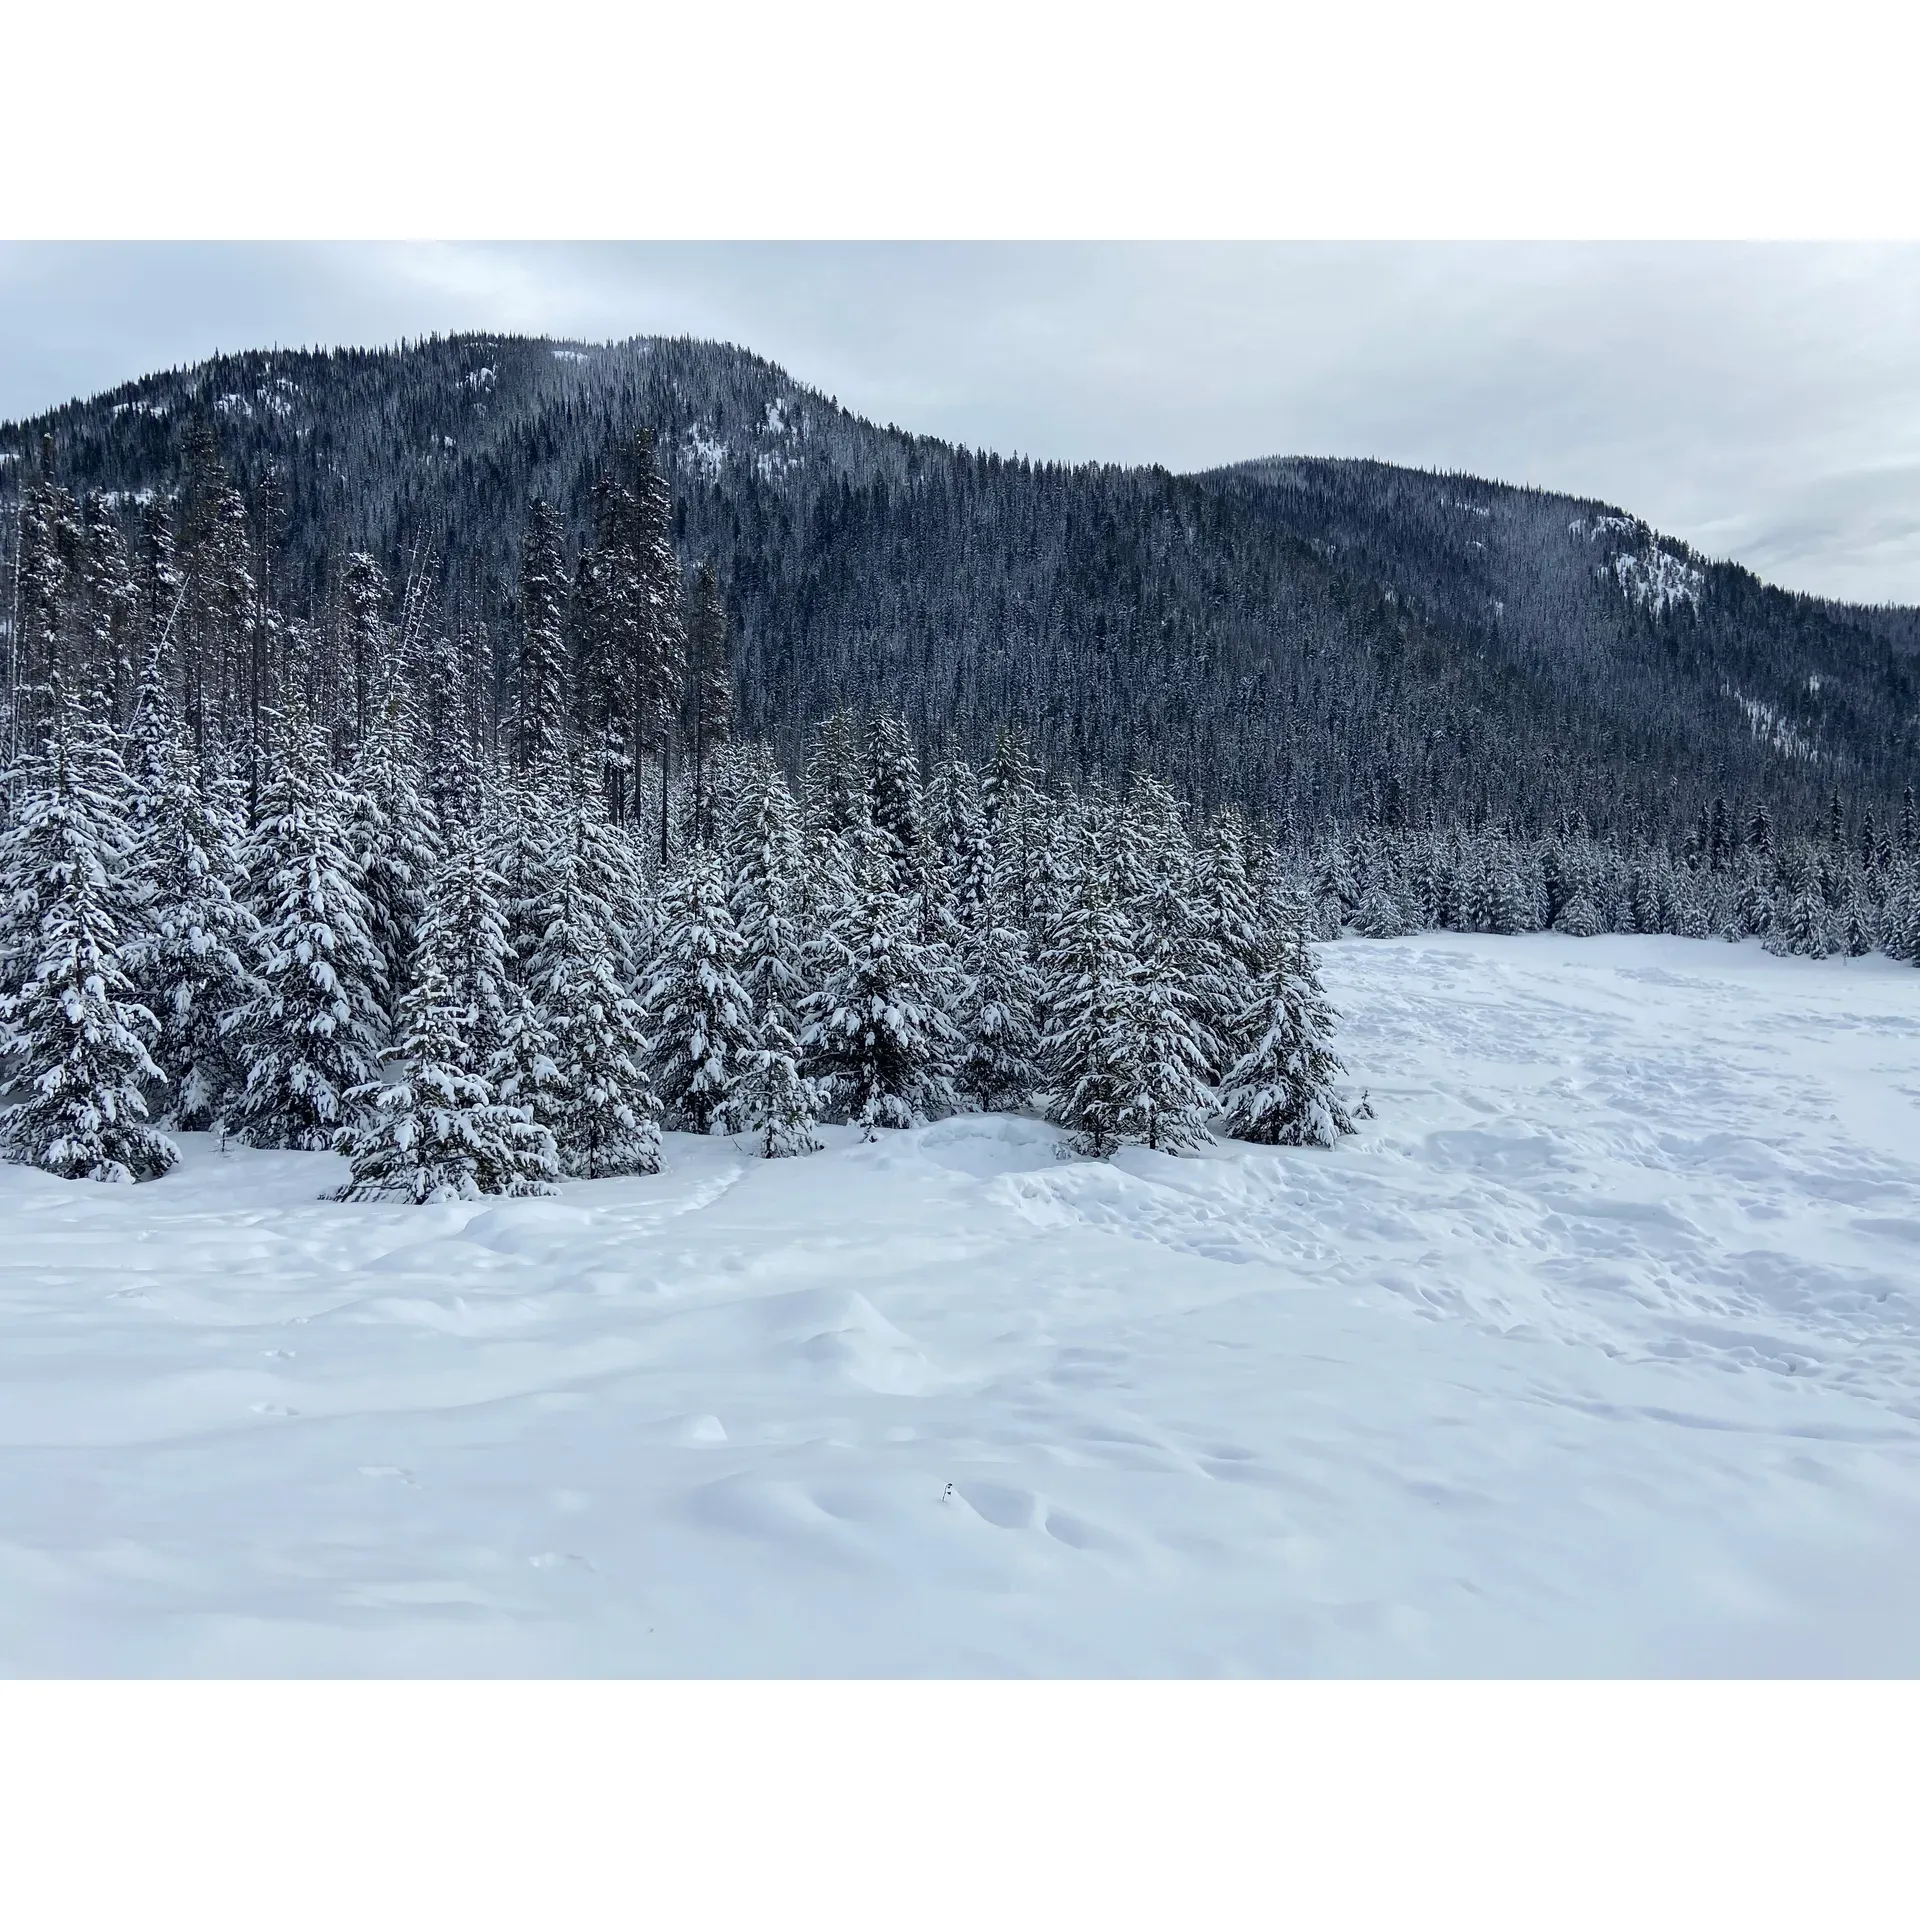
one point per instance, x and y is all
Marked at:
(1597, 1352)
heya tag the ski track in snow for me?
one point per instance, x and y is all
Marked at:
(1597, 1352)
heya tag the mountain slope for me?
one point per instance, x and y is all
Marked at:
(1330, 636)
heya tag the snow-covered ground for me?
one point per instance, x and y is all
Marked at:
(1598, 1352)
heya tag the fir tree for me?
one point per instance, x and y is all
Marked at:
(893, 792)
(875, 1033)
(709, 690)
(772, 1100)
(1231, 938)
(606, 1116)
(1804, 927)
(958, 833)
(437, 1130)
(1166, 1047)
(364, 646)
(763, 887)
(1085, 1045)
(540, 680)
(188, 960)
(393, 837)
(999, 1043)
(309, 1031)
(700, 1014)
(466, 924)
(76, 1048)
(1378, 916)
(1280, 1093)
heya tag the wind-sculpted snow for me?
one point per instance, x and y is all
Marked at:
(1597, 1351)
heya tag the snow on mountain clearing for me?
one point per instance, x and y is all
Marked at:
(1597, 1352)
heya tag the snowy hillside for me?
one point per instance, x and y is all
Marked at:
(1597, 1352)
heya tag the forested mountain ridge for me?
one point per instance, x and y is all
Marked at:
(1328, 639)
(1612, 614)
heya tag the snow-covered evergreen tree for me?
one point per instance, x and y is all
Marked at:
(700, 1014)
(541, 680)
(1804, 926)
(893, 793)
(310, 1030)
(188, 959)
(999, 1042)
(466, 923)
(1089, 1069)
(1167, 1043)
(1281, 1091)
(435, 1129)
(1579, 916)
(763, 853)
(606, 1119)
(1378, 916)
(394, 840)
(875, 1034)
(524, 1070)
(74, 1063)
(772, 1100)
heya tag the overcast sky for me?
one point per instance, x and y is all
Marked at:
(1761, 401)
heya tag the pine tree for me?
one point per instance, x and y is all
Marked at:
(541, 692)
(957, 831)
(1232, 938)
(105, 610)
(1378, 916)
(466, 923)
(700, 1014)
(606, 1118)
(999, 1040)
(709, 690)
(522, 845)
(310, 1030)
(1010, 809)
(1281, 1091)
(875, 1033)
(833, 784)
(763, 884)
(1085, 1046)
(1579, 917)
(772, 1100)
(524, 1069)
(46, 566)
(437, 1130)
(1855, 932)
(1903, 941)
(630, 648)
(76, 1047)
(393, 837)
(1496, 901)
(1166, 1047)
(188, 958)
(1804, 927)
(893, 793)
(364, 647)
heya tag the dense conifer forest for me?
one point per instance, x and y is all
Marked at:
(481, 756)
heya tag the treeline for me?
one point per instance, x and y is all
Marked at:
(470, 978)
(1845, 890)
